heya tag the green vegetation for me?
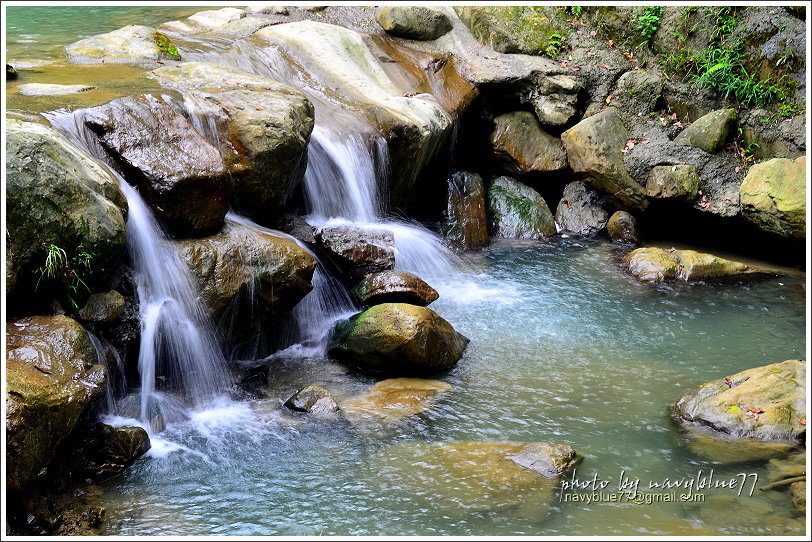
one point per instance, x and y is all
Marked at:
(720, 66)
(648, 22)
(166, 46)
(68, 273)
(576, 11)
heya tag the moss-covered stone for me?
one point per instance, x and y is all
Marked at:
(651, 264)
(680, 181)
(167, 48)
(58, 195)
(52, 375)
(530, 30)
(622, 228)
(413, 22)
(766, 403)
(709, 132)
(773, 197)
(397, 339)
(518, 212)
(104, 307)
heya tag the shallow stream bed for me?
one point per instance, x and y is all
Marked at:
(565, 348)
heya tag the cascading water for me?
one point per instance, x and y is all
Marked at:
(178, 350)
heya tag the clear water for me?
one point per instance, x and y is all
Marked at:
(564, 348)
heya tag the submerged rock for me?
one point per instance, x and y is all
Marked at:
(394, 399)
(521, 146)
(263, 128)
(104, 451)
(397, 339)
(622, 228)
(314, 399)
(582, 210)
(52, 375)
(394, 287)
(652, 264)
(709, 132)
(595, 150)
(466, 477)
(57, 195)
(179, 173)
(42, 89)
(518, 212)
(245, 276)
(104, 307)
(11, 73)
(726, 450)
(413, 22)
(773, 196)
(765, 403)
(467, 224)
(358, 252)
(132, 43)
(797, 492)
(680, 181)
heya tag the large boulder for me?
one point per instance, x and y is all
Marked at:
(132, 43)
(246, 276)
(582, 210)
(514, 29)
(461, 478)
(179, 173)
(103, 308)
(709, 132)
(595, 150)
(102, 451)
(521, 146)
(413, 22)
(344, 69)
(262, 128)
(52, 375)
(397, 339)
(394, 287)
(773, 196)
(637, 92)
(766, 403)
(393, 399)
(517, 211)
(651, 264)
(467, 221)
(357, 252)
(57, 195)
(678, 181)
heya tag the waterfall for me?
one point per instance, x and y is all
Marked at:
(179, 352)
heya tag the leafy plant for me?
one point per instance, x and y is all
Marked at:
(576, 11)
(648, 22)
(554, 45)
(69, 272)
(165, 45)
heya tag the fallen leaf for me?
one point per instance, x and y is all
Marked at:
(802, 421)
(591, 54)
(605, 66)
(610, 43)
(592, 34)
(609, 98)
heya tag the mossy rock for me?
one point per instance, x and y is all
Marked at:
(530, 30)
(167, 48)
(764, 403)
(397, 339)
(518, 212)
(651, 264)
(679, 181)
(773, 197)
(709, 132)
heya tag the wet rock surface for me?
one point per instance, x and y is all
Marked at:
(397, 339)
(656, 264)
(393, 399)
(52, 376)
(582, 210)
(314, 399)
(104, 307)
(467, 220)
(765, 403)
(773, 196)
(394, 287)
(358, 252)
(622, 228)
(179, 173)
(517, 211)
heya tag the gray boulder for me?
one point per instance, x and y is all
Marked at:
(413, 22)
(132, 43)
(263, 128)
(637, 92)
(314, 399)
(595, 150)
(179, 173)
(358, 252)
(517, 211)
(582, 210)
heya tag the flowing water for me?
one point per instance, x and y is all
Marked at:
(565, 347)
